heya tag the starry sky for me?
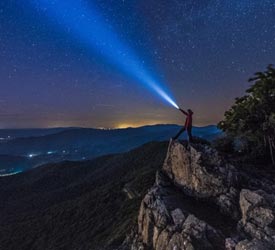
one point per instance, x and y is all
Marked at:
(203, 51)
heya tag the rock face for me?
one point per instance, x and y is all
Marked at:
(198, 203)
(164, 224)
(201, 172)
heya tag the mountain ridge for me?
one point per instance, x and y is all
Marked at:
(86, 143)
(76, 205)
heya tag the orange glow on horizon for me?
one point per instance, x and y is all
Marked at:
(136, 124)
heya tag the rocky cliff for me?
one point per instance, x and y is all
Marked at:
(199, 201)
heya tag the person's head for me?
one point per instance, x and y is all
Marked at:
(189, 111)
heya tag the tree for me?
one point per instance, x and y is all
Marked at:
(251, 119)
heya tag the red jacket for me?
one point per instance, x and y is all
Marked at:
(188, 121)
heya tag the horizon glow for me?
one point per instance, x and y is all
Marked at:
(87, 26)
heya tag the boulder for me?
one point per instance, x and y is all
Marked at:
(258, 215)
(253, 245)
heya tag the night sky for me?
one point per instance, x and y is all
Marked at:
(202, 51)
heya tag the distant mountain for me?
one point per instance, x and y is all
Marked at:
(86, 143)
(18, 133)
(77, 205)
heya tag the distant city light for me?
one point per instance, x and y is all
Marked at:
(32, 155)
(10, 173)
(103, 128)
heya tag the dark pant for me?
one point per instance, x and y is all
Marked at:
(189, 133)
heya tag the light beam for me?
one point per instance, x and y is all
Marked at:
(88, 27)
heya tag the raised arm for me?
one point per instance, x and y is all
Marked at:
(184, 112)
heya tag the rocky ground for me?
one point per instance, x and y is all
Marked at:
(199, 201)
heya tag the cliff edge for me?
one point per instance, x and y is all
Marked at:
(199, 201)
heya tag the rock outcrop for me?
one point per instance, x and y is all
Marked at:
(201, 172)
(165, 224)
(198, 202)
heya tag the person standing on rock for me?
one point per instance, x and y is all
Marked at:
(187, 126)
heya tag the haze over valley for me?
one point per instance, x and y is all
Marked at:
(22, 150)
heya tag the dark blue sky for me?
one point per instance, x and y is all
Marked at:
(202, 51)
